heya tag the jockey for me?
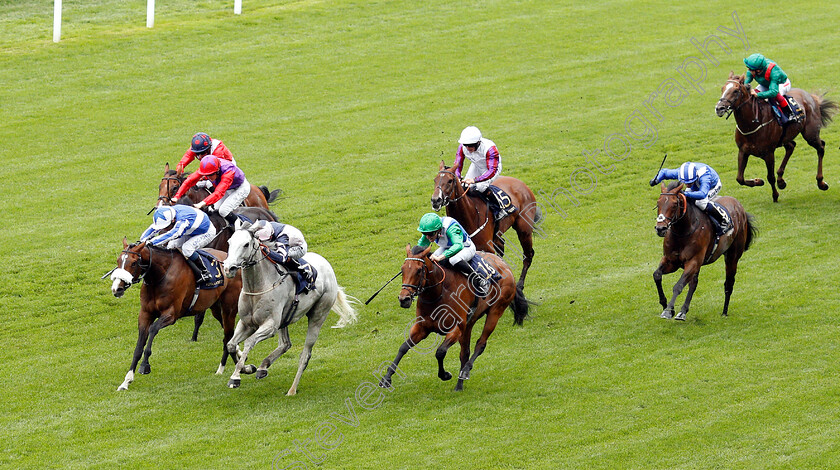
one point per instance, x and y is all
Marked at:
(772, 81)
(231, 186)
(191, 230)
(288, 246)
(704, 186)
(453, 244)
(485, 166)
(200, 146)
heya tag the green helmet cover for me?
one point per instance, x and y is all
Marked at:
(429, 223)
(756, 62)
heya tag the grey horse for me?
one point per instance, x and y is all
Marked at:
(266, 304)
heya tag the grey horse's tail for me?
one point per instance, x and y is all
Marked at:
(343, 306)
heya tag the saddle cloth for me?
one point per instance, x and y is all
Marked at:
(214, 267)
(484, 269)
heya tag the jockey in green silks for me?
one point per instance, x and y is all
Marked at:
(453, 244)
(773, 82)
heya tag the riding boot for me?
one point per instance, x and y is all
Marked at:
(717, 212)
(302, 268)
(475, 279)
(202, 275)
(231, 219)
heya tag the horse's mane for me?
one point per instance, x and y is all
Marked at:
(673, 184)
(417, 249)
(171, 172)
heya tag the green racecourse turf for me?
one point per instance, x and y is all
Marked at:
(349, 107)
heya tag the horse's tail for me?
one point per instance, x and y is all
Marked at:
(519, 306)
(828, 109)
(538, 217)
(343, 306)
(270, 196)
(752, 231)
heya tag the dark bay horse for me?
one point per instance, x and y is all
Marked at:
(689, 242)
(758, 133)
(258, 197)
(447, 306)
(166, 295)
(474, 215)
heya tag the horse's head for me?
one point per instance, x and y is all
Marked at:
(446, 187)
(168, 186)
(243, 247)
(132, 265)
(671, 207)
(415, 271)
(734, 94)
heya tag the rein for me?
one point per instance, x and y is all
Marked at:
(730, 109)
(447, 200)
(680, 197)
(252, 261)
(419, 289)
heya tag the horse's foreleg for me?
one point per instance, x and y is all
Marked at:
(440, 354)
(770, 163)
(743, 156)
(417, 334)
(264, 331)
(239, 334)
(668, 313)
(199, 319)
(166, 319)
(691, 273)
(665, 267)
(142, 336)
(283, 345)
(311, 336)
(789, 146)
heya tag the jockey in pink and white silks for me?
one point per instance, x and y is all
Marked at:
(191, 230)
(485, 166)
(702, 187)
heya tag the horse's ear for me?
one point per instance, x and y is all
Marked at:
(442, 165)
(664, 188)
(241, 225)
(166, 169)
(425, 252)
(741, 79)
(680, 187)
(125, 242)
(408, 249)
(731, 74)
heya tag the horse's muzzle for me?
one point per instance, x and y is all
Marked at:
(405, 301)
(437, 203)
(230, 272)
(721, 110)
(661, 230)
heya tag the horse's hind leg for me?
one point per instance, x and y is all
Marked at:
(311, 336)
(813, 139)
(228, 321)
(731, 257)
(526, 239)
(465, 353)
(789, 146)
(283, 345)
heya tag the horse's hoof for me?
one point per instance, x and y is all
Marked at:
(144, 369)
(822, 185)
(680, 316)
(122, 387)
(459, 387)
(782, 184)
(234, 383)
(262, 373)
(291, 393)
(445, 376)
(759, 182)
(249, 369)
(667, 314)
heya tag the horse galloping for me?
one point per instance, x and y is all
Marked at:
(169, 184)
(444, 296)
(689, 242)
(167, 295)
(757, 132)
(474, 215)
(268, 303)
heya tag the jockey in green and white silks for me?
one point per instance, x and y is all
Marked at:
(702, 187)
(453, 244)
(773, 82)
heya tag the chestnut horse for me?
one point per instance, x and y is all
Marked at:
(446, 305)
(474, 215)
(758, 133)
(258, 197)
(167, 294)
(689, 242)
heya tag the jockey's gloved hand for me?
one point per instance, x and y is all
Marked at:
(653, 182)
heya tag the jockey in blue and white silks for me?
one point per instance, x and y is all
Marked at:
(191, 230)
(702, 186)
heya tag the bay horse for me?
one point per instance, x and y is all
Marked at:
(758, 133)
(268, 303)
(169, 184)
(447, 305)
(476, 217)
(689, 242)
(167, 294)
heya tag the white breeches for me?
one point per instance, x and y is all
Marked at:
(783, 88)
(466, 254)
(232, 199)
(702, 203)
(477, 170)
(188, 244)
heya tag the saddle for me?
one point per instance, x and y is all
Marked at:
(484, 269)
(214, 267)
(503, 204)
(797, 114)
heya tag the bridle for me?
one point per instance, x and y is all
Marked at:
(681, 201)
(252, 260)
(422, 287)
(144, 269)
(729, 102)
(446, 198)
(168, 197)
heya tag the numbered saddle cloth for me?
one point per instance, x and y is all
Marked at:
(797, 113)
(503, 202)
(484, 269)
(214, 267)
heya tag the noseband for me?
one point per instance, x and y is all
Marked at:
(446, 198)
(729, 102)
(419, 289)
(681, 201)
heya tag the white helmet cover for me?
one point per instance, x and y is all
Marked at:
(163, 217)
(688, 172)
(470, 135)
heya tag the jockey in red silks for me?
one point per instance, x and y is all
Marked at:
(485, 166)
(231, 186)
(200, 146)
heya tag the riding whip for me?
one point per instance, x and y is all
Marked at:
(380, 289)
